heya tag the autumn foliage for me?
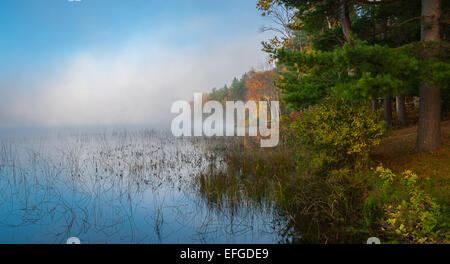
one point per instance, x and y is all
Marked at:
(260, 86)
(255, 85)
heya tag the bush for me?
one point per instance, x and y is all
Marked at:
(411, 213)
(336, 133)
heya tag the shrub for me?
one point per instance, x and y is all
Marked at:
(335, 133)
(411, 214)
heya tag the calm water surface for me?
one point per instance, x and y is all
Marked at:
(117, 187)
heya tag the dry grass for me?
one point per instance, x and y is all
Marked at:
(397, 153)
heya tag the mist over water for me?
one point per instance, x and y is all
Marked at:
(117, 186)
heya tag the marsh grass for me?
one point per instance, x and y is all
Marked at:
(309, 208)
(123, 186)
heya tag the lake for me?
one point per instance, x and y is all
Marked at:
(136, 186)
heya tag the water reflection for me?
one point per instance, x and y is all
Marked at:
(119, 187)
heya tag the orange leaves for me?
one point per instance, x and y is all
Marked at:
(294, 115)
(260, 86)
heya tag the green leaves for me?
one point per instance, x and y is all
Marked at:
(336, 133)
(354, 73)
(410, 212)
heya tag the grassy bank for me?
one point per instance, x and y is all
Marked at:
(396, 151)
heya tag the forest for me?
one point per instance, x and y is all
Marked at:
(364, 89)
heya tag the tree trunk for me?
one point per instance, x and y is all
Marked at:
(401, 110)
(374, 105)
(345, 21)
(429, 132)
(388, 110)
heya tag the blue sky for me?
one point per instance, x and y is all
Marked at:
(35, 31)
(51, 48)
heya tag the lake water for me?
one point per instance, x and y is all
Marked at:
(117, 187)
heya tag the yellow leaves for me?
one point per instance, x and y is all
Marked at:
(336, 132)
(296, 23)
(410, 177)
(386, 175)
(264, 6)
(392, 221)
(422, 240)
(415, 218)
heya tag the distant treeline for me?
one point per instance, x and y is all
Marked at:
(253, 85)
